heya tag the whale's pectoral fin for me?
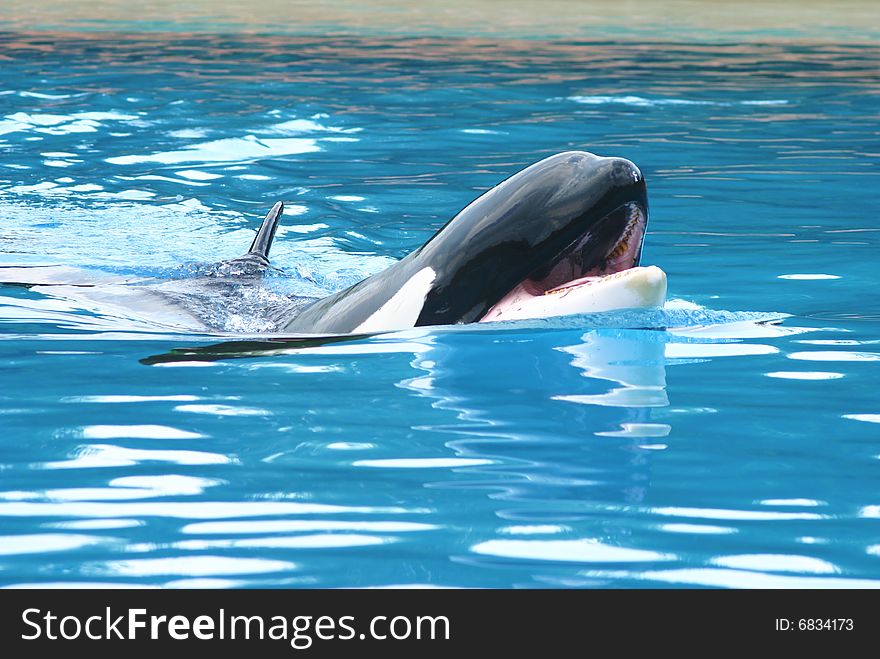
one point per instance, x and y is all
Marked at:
(246, 349)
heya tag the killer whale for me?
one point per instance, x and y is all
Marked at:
(560, 237)
(563, 236)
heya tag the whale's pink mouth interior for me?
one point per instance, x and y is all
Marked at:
(569, 270)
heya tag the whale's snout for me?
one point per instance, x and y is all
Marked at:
(624, 172)
(619, 171)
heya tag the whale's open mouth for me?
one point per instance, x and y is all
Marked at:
(612, 246)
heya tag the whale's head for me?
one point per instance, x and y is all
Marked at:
(560, 237)
(563, 236)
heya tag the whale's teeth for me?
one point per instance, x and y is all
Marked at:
(623, 242)
(620, 248)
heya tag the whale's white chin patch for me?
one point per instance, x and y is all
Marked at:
(570, 288)
(404, 307)
(630, 288)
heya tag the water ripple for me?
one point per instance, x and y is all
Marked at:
(690, 446)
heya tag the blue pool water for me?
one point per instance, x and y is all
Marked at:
(699, 447)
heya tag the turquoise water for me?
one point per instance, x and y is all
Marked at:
(696, 447)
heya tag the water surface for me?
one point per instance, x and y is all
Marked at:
(708, 449)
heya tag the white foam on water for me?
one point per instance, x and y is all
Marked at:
(702, 529)
(776, 563)
(297, 525)
(194, 566)
(231, 149)
(585, 550)
(222, 410)
(106, 455)
(642, 101)
(38, 543)
(60, 124)
(867, 418)
(137, 432)
(422, 463)
(315, 541)
(295, 126)
(198, 175)
(809, 277)
(805, 375)
(835, 356)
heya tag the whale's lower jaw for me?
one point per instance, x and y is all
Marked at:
(637, 287)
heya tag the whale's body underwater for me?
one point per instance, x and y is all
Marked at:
(563, 236)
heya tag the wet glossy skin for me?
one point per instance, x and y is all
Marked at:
(512, 232)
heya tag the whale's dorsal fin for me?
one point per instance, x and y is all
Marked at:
(263, 241)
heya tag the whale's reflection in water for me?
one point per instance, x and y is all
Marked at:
(570, 487)
(552, 491)
(526, 455)
(604, 406)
